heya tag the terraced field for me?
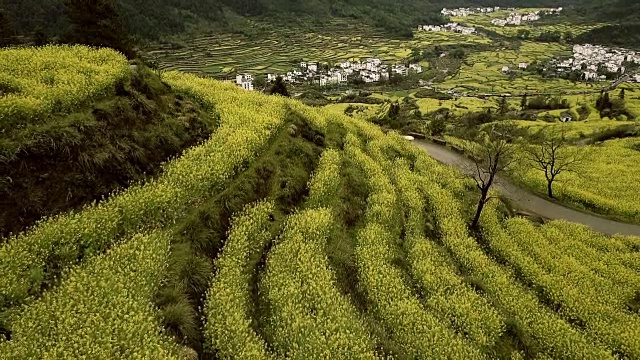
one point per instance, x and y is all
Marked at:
(298, 232)
(535, 28)
(482, 71)
(279, 50)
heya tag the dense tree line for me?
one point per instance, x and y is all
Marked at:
(611, 107)
(152, 19)
(6, 29)
(97, 23)
(624, 35)
(623, 17)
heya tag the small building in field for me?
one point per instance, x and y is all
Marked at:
(566, 118)
(505, 69)
(245, 81)
(523, 66)
(590, 75)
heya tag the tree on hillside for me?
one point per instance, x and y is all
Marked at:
(260, 82)
(6, 29)
(622, 94)
(503, 106)
(552, 155)
(279, 88)
(40, 38)
(524, 34)
(438, 125)
(568, 36)
(524, 102)
(97, 23)
(603, 101)
(492, 152)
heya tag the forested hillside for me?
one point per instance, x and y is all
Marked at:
(151, 19)
(625, 30)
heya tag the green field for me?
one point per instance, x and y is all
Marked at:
(279, 50)
(606, 183)
(483, 21)
(294, 232)
(482, 71)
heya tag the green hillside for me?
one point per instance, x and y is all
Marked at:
(624, 17)
(299, 232)
(153, 19)
(78, 124)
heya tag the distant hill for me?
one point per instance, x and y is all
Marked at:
(624, 19)
(150, 19)
(620, 11)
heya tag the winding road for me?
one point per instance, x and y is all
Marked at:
(528, 201)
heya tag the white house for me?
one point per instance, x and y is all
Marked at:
(499, 22)
(303, 65)
(312, 67)
(337, 77)
(505, 69)
(415, 67)
(245, 81)
(400, 70)
(240, 78)
(523, 66)
(450, 27)
(590, 75)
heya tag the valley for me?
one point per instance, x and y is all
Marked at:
(320, 180)
(482, 66)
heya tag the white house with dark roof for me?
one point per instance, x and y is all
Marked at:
(245, 81)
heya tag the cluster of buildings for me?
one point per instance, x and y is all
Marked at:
(464, 12)
(590, 59)
(518, 19)
(521, 66)
(370, 71)
(450, 27)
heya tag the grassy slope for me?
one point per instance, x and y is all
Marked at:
(74, 159)
(280, 174)
(605, 183)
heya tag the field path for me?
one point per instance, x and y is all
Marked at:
(527, 200)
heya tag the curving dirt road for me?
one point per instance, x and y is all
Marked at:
(528, 201)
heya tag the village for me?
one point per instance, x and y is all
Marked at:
(464, 12)
(516, 19)
(594, 61)
(372, 70)
(450, 27)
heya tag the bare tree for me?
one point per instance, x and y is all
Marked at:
(551, 154)
(492, 153)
